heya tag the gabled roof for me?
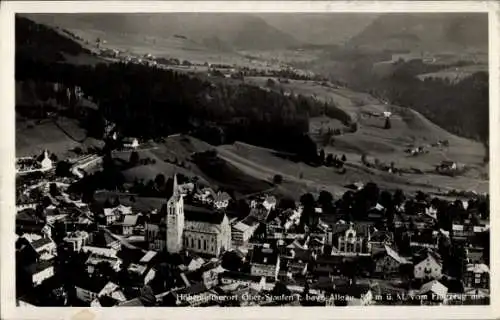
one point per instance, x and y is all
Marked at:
(352, 290)
(93, 284)
(394, 255)
(136, 302)
(434, 287)
(222, 196)
(130, 220)
(148, 256)
(478, 268)
(40, 243)
(429, 254)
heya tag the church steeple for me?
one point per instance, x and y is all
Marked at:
(175, 192)
(175, 219)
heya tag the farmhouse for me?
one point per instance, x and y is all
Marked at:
(429, 268)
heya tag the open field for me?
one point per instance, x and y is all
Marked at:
(455, 74)
(58, 136)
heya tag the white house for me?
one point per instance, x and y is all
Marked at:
(95, 259)
(78, 239)
(429, 268)
(46, 162)
(221, 200)
(93, 288)
(129, 224)
(40, 271)
(241, 232)
(131, 143)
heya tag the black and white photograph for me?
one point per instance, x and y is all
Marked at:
(251, 159)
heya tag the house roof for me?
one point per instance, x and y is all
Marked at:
(95, 259)
(263, 255)
(130, 220)
(93, 284)
(381, 236)
(222, 196)
(435, 287)
(393, 254)
(39, 266)
(203, 215)
(103, 239)
(352, 290)
(425, 253)
(478, 268)
(136, 302)
(148, 256)
(40, 242)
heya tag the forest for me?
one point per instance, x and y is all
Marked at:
(460, 107)
(150, 102)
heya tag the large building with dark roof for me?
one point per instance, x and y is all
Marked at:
(201, 230)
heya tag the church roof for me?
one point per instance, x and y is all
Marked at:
(200, 214)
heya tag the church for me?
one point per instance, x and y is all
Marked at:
(177, 227)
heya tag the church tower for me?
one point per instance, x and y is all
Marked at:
(175, 220)
(46, 162)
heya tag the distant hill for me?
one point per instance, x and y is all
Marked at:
(45, 43)
(435, 32)
(235, 31)
(320, 29)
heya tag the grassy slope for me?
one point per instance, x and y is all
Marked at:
(57, 137)
(408, 127)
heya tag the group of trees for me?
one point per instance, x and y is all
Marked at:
(150, 102)
(331, 160)
(438, 99)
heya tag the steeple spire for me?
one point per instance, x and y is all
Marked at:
(175, 192)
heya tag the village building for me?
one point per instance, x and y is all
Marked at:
(242, 231)
(349, 239)
(130, 222)
(389, 262)
(132, 143)
(95, 259)
(78, 239)
(196, 229)
(221, 200)
(435, 293)
(40, 271)
(104, 239)
(265, 262)
(92, 288)
(429, 268)
(477, 276)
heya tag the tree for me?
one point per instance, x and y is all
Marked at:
(399, 197)
(116, 202)
(160, 181)
(63, 169)
(387, 124)
(280, 289)
(286, 203)
(278, 179)
(321, 156)
(147, 296)
(104, 270)
(307, 200)
(53, 190)
(325, 200)
(134, 158)
(344, 159)
(329, 160)
(371, 192)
